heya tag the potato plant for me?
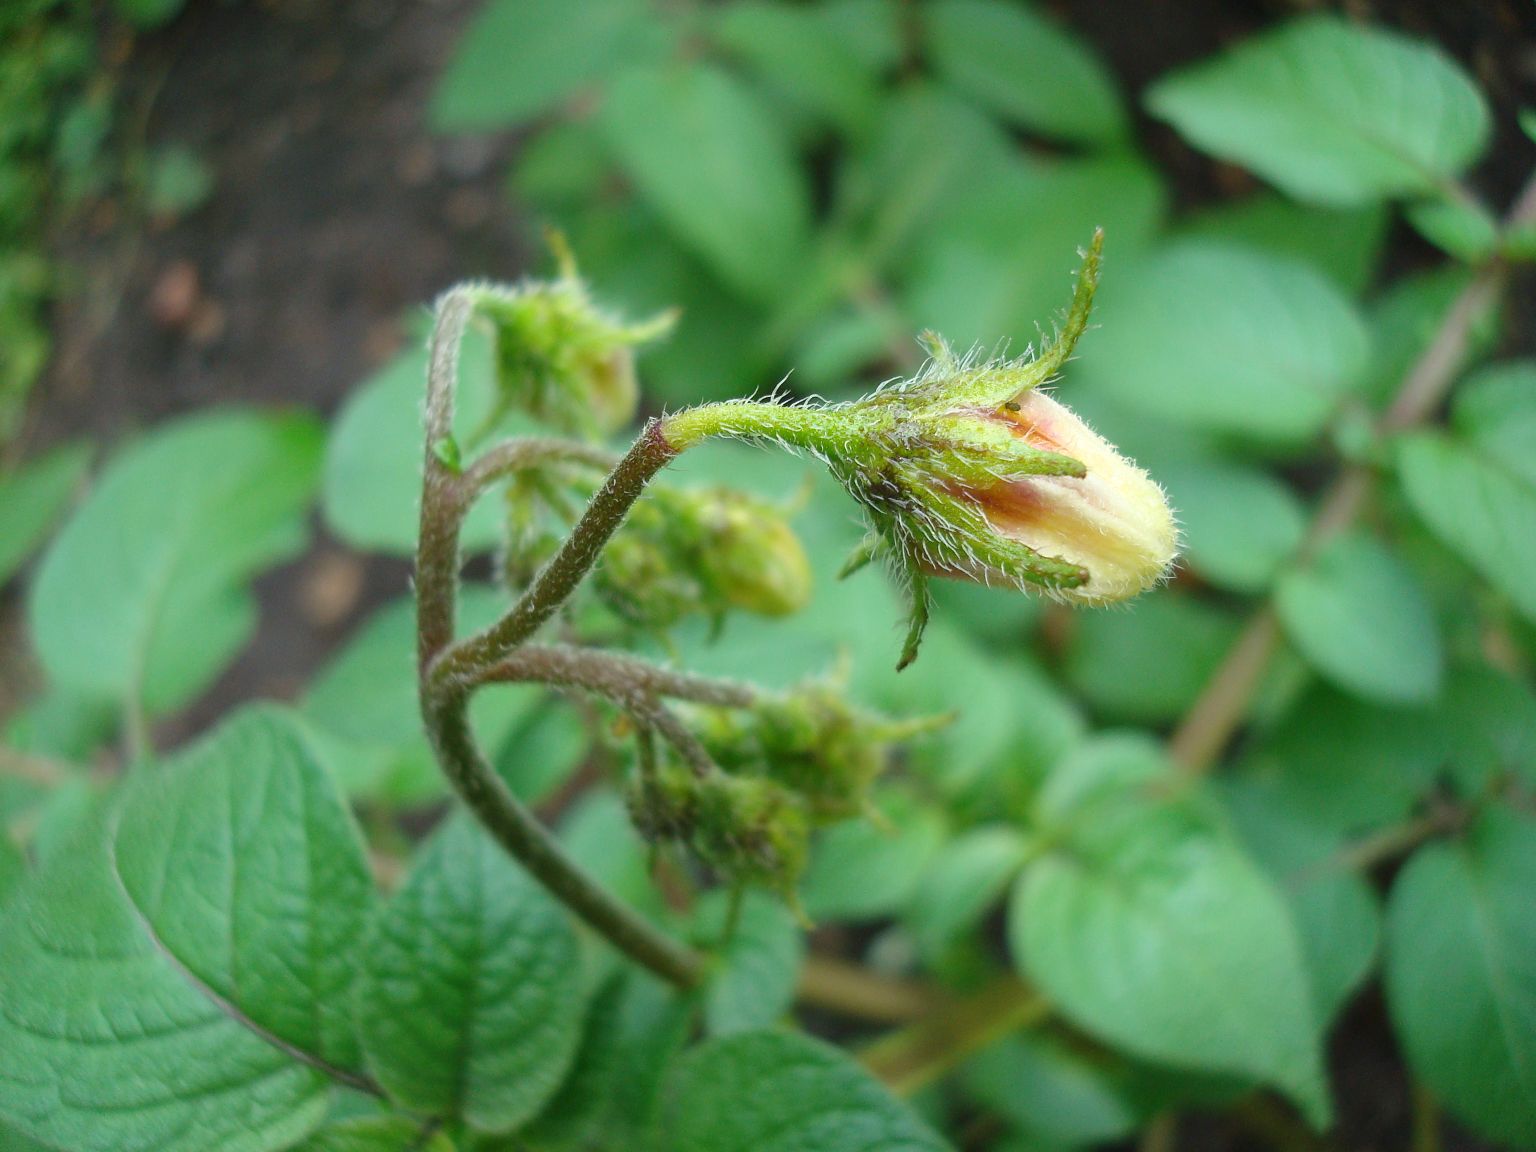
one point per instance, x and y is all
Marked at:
(815, 763)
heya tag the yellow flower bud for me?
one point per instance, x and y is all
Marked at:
(1113, 521)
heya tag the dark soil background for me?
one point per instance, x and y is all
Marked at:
(335, 212)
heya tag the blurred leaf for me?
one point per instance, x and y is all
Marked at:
(1489, 727)
(470, 1000)
(13, 866)
(1461, 973)
(755, 1091)
(520, 58)
(1240, 524)
(963, 880)
(543, 749)
(32, 499)
(635, 1026)
(711, 354)
(861, 869)
(796, 50)
(1219, 981)
(1336, 910)
(1346, 764)
(559, 168)
(1361, 619)
(1344, 244)
(1055, 1095)
(1404, 320)
(1027, 68)
(148, 13)
(870, 28)
(110, 1045)
(179, 181)
(377, 1134)
(1148, 661)
(713, 163)
(1465, 230)
(1476, 489)
(758, 964)
(372, 483)
(142, 597)
(994, 267)
(1331, 112)
(245, 866)
(1229, 339)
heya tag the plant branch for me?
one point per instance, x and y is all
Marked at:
(555, 582)
(849, 990)
(1217, 713)
(512, 456)
(537, 850)
(915, 1057)
(613, 676)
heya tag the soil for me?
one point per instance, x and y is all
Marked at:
(336, 212)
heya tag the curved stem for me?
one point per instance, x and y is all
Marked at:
(555, 582)
(536, 849)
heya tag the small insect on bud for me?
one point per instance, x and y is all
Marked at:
(559, 357)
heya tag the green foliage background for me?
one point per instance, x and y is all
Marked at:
(196, 957)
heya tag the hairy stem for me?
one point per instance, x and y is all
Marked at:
(1211, 721)
(536, 849)
(555, 582)
(613, 676)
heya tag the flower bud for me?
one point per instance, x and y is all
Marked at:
(750, 829)
(970, 471)
(562, 359)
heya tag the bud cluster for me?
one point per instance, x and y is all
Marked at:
(793, 762)
(682, 552)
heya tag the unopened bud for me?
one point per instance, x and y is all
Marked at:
(562, 359)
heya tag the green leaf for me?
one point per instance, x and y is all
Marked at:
(778, 1092)
(13, 867)
(142, 597)
(1489, 721)
(711, 160)
(1229, 339)
(994, 264)
(372, 483)
(599, 836)
(1056, 1095)
(1344, 244)
(520, 58)
(377, 1134)
(32, 499)
(758, 963)
(1148, 662)
(964, 879)
(1347, 764)
(1024, 66)
(1479, 508)
(1496, 411)
(1360, 619)
(148, 13)
(470, 1001)
(1240, 523)
(245, 866)
(1461, 974)
(1463, 229)
(1336, 910)
(111, 1046)
(1219, 981)
(861, 870)
(635, 1026)
(797, 51)
(1331, 112)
